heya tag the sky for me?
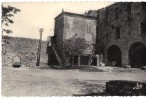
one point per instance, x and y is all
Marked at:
(34, 16)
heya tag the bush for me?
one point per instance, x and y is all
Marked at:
(126, 88)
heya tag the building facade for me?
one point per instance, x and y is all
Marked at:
(69, 24)
(121, 33)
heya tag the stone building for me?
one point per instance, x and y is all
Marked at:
(69, 24)
(121, 33)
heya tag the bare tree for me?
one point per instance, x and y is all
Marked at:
(74, 47)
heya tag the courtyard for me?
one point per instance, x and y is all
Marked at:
(27, 81)
(111, 35)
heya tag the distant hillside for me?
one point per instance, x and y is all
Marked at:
(25, 48)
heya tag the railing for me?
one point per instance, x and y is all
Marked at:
(59, 56)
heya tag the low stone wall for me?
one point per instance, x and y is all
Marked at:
(26, 49)
(126, 88)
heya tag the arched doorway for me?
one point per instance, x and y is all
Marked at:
(137, 55)
(114, 56)
(16, 62)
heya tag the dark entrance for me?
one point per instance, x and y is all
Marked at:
(114, 56)
(137, 55)
(94, 61)
(75, 61)
(16, 62)
(84, 60)
(52, 60)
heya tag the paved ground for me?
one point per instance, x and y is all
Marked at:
(49, 82)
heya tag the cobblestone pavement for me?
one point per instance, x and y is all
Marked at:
(49, 82)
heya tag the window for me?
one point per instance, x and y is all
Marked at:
(129, 9)
(129, 33)
(106, 37)
(116, 13)
(143, 27)
(88, 29)
(144, 6)
(112, 27)
(75, 22)
(117, 32)
(84, 60)
(70, 24)
(95, 22)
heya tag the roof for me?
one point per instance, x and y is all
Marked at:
(77, 15)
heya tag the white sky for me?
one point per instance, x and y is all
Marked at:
(34, 16)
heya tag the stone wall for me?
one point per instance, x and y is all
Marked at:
(125, 15)
(24, 48)
(58, 32)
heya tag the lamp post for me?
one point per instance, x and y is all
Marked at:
(39, 48)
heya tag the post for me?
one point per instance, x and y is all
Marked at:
(39, 48)
(97, 56)
(79, 60)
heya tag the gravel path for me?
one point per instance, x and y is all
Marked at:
(48, 82)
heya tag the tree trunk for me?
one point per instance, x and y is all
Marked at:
(71, 61)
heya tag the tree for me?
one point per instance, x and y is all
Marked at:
(7, 14)
(74, 47)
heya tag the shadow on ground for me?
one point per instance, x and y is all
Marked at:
(92, 94)
(90, 88)
(111, 88)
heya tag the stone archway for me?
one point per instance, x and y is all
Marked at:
(137, 55)
(16, 62)
(114, 56)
